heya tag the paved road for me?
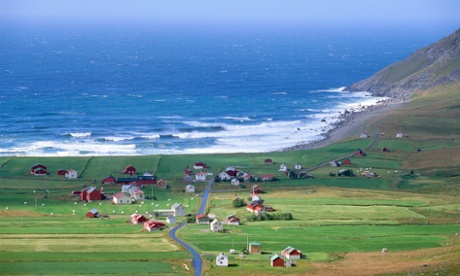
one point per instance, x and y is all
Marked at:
(197, 262)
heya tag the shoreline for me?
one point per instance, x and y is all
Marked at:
(351, 123)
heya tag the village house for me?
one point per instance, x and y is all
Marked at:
(216, 226)
(224, 176)
(109, 180)
(255, 248)
(346, 162)
(129, 169)
(146, 180)
(256, 208)
(138, 219)
(122, 198)
(282, 168)
(359, 153)
(38, 169)
(298, 166)
(291, 253)
(222, 260)
(277, 260)
(188, 179)
(171, 219)
(199, 166)
(200, 176)
(71, 174)
(188, 170)
(93, 213)
(153, 225)
(232, 220)
(137, 194)
(364, 135)
(231, 171)
(90, 194)
(256, 189)
(399, 135)
(179, 210)
(128, 188)
(247, 177)
(190, 189)
(202, 219)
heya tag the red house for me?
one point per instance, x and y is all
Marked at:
(255, 208)
(153, 225)
(268, 161)
(130, 169)
(61, 172)
(90, 194)
(109, 180)
(147, 180)
(291, 253)
(161, 183)
(92, 214)
(36, 167)
(360, 153)
(346, 162)
(276, 260)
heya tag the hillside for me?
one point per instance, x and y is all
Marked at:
(436, 64)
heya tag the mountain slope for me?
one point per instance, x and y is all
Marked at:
(436, 64)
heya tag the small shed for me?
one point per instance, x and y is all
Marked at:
(276, 260)
(222, 260)
(282, 168)
(216, 226)
(255, 248)
(199, 166)
(161, 183)
(268, 161)
(291, 253)
(93, 213)
(71, 174)
(399, 135)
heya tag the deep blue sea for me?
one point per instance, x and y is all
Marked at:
(120, 89)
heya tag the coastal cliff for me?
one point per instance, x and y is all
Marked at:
(436, 64)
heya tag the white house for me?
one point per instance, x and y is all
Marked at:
(216, 226)
(364, 135)
(222, 260)
(171, 219)
(178, 209)
(298, 166)
(399, 135)
(235, 182)
(190, 189)
(224, 176)
(137, 194)
(200, 176)
(122, 198)
(283, 168)
(71, 174)
(128, 188)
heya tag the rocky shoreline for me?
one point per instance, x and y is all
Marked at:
(352, 123)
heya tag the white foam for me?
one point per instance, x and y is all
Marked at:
(80, 134)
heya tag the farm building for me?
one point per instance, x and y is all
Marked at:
(346, 162)
(128, 188)
(399, 135)
(71, 174)
(188, 170)
(359, 153)
(189, 188)
(138, 219)
(256, 208)
(298, 166)
(199, 166)
(202, 219)
(161, 183)
(255, 248)
(247, 177)
(61, 172)
(216, 226)
(126, 180)
(93, 213)
(153, 225)
(171, 219)
(268, 161)
(146, 180)
(90, 194)
(137, 194)
(122, 198)
(109, 180)
(235, 182)
(364, 135)
(232, 220)
(179, 210)
(267, 177)
(231, 171)
(277, 260)
(38, 168)
(222, 260)
(291, 253)
(129, 169)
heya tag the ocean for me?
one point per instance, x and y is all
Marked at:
(121, 89)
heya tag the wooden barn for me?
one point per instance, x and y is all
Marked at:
(109, 180)
(276, 260)
(153, 225)
(130, 169)
(90, 194)
(291, 253)
(138, 219)
(199, 166)
(38, 168)
(61, 172)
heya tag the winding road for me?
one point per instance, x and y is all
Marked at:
(197, 262)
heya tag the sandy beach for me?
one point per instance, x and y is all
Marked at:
(352, 123)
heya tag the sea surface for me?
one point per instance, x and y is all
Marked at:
(120, 89)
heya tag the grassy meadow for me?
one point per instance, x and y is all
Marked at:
(339, 223)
